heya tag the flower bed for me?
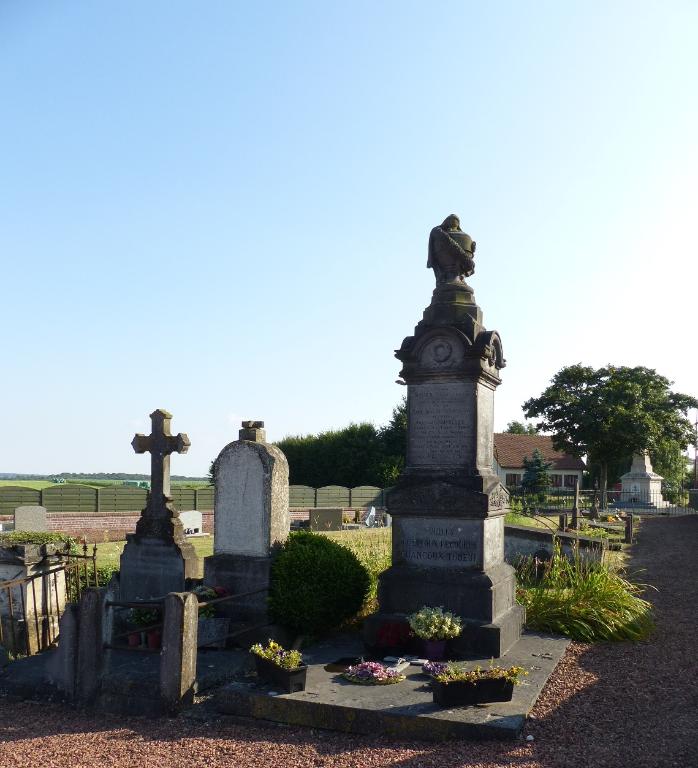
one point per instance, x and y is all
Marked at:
(372, 673)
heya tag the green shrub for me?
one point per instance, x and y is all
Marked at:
(586, 601)
(316, 584)
(37, 537)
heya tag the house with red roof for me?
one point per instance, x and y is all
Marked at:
(510, 451)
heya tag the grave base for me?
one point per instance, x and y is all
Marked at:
(151, 567)
(485, 601)
(404, 710)
(239, 574)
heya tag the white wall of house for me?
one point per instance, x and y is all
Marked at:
(565, 481)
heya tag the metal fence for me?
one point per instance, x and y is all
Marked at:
(553, 500)
(31, 606)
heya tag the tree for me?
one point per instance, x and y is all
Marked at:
(393, 439)
(519, 428)
(611, 413)
(535, 478)
(670, 461)
(351, 456)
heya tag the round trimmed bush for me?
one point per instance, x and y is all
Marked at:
(316, 584)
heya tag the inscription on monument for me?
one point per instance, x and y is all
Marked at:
(441, 424)
(440, 542)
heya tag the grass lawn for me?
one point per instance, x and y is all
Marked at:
(37, 485)
(109, 552)
(544, 522)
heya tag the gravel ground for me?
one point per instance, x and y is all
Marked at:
(605, 705)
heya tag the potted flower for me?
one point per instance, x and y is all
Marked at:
(372, 673)
(280, 667)
(456, 686)
(435, 627)
(146, 617)
(213, 630)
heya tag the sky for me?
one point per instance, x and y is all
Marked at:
(222, 208)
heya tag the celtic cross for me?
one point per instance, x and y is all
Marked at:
(161, 443)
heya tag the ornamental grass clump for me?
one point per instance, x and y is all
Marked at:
(587, 601)
(276, 654)
(435, 624)
(372, 673)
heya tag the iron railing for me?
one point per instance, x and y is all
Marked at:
(153, 630)
(31, 606)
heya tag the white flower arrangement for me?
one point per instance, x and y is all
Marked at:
(435, 624)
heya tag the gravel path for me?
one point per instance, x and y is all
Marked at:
(606, 705)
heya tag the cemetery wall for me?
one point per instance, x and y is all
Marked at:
(521, 541)
(118, 498)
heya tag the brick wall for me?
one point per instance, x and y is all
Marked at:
(101, 526)
(113, 526)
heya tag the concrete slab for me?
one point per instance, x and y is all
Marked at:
(405, 709)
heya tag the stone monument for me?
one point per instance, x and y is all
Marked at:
(31, 518)
(641, 486)
(251, 515)
(157, 558)
(448, 506)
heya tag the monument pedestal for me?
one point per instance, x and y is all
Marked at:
(239, 574)
(153, 567)
(448, 505)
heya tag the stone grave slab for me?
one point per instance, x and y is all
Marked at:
(31, 518)
(192, 522)
(326, 519)
(405, 709)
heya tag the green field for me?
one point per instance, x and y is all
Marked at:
(41, 484)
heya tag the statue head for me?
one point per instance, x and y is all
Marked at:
(451, 251)
(451, 222)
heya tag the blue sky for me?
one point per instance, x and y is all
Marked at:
(222, 208)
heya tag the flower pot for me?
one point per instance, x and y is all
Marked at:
(154, 639)
(435, 650)
(461, 693)
(213, 632)
(288, 680)
(134, 639)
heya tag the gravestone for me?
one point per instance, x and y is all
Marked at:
(31, 518)
(157, 558)
(326, 519)
(641, 486)
(192, 522)
(251, 515)
(448, 506)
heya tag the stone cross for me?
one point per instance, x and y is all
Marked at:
(161, 443)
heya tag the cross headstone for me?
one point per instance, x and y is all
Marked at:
(157, 558)
(160, 443)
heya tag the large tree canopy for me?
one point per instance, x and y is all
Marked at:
(612, 412)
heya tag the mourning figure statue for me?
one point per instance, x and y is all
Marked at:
(451, 252)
